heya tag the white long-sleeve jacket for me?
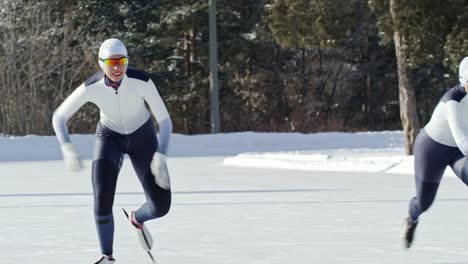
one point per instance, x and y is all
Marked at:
(449, 121)
(122, 110)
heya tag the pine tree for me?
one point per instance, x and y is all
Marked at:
(419, 30)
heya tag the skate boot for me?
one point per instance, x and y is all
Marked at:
(105, 260)
(407, 231)
(144, 236)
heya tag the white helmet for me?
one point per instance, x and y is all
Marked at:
(111, 47)
(463, 71)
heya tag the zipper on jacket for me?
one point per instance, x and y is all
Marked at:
(120, 113)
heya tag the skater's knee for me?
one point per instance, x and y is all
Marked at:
(164, 210)
(103, 204)
(102, 208)
(160, 209)
(159, 203)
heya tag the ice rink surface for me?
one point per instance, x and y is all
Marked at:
(223, 214)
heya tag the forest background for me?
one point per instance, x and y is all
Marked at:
(284, 65)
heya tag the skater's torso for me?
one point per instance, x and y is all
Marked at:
(449, 122)
(122, 109)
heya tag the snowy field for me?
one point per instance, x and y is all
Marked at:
(250, 198)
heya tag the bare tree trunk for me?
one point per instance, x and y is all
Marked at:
(187, 67)
(330, 98)
(303, 73)
(34, 74)
(370, 123)
(408, 112)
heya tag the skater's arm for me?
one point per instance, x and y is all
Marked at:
(456, 115)
(159, 110)
(69, 107)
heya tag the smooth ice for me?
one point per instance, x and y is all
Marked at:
(227, 214)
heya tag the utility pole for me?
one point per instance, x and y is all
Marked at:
(214, 89)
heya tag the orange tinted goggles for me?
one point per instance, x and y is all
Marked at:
(113, 62)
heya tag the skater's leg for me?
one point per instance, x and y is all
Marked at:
(105, 170)
(425, 195)
(158, 200)
(143, 144)
(460, 168)
(430, 161)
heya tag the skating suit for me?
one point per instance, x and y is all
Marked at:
(125, 127)
(443, 142)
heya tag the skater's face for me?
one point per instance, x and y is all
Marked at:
(115, 67)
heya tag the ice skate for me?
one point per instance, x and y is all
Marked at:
(144, 236)
(105, 260)
(407, 231)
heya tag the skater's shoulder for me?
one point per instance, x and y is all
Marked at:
(137, 74)
(456, 93)
(94, 78)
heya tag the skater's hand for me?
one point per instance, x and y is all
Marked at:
(70, 157)
(159, 170)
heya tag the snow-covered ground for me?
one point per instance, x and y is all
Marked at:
(334, 151)
(247, 197)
